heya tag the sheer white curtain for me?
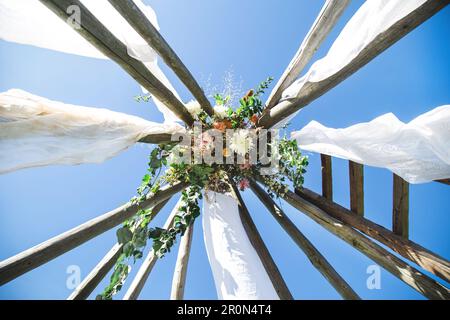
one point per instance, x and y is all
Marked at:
(238, 272)
(418, 151)
(35, 131)
(30, 22)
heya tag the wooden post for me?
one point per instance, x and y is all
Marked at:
(99, 36)
(97, 274)
(324, 23)
(134, 16)
(356, 177)
(411, 276)
(314, 256)
(412, 251)
(327, 176)
(255, 238)
(313, 90)
(34, 257)
(179, 275)
(400, 207)
(149, 262)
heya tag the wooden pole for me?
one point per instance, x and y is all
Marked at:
(97, 274)
(327, 176)
(255, 239)
(137, 19)
(324, 23)
(181, 266)
(412, 251)
(411, 276)
(34, 257)
(356, 177)
(149, 262)
(313, 90)
(99, 36)
(314, 256)
(400, 207)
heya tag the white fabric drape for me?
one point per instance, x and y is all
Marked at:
(30, 22)
(36, 132)
(372, 18)
(418, 151)
(238, 272)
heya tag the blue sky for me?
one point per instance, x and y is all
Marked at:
(254, 39)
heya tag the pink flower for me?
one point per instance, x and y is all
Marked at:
(245, 166)
(244, 184)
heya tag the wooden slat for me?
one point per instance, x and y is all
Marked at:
(410, 250)
(181, 266)
(313, 90)
(255, 239)
(400, 207)
(356, 178)
(316, 258)
(411, 276)
(149, 262)
(97, 274)
(34, 257)
(137, 19)
(99, 36)
(327, 176)
(324, 23)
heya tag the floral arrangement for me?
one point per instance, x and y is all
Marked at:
(218, 151)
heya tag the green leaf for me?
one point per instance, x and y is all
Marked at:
(124, 235)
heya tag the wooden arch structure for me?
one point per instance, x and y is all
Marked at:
(350, 225)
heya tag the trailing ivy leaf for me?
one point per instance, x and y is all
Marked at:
(124, 235)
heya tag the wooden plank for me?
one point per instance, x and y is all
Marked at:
(97, 274)
(34, 257)
(313, 90)
(99, 36)
(314, 256)
(255, 238)
(410, 250)
(356, 177)
(400, 207)
(137, 19)
(327, 176)
(149, 262)
(181, 266)
(411, 276)
(444, 181)
(322, 26)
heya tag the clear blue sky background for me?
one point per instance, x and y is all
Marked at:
(256, 39)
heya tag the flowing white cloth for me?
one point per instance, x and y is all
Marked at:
(418, 151)
(372, 18)
(30, 22)
(36, 132)
(238, 272)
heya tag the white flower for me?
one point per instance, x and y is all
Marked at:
(194, 108)
(221, 111)
(241, 143)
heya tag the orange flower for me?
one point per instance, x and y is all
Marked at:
(225, 152)
(254, 119)
(248, 94)
(219, 125)
(228, 124)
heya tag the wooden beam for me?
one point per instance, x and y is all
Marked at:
(356, 177)
(181, 266)
(444, 181)
(137, 19)
(313, 90)
(400, 207)
(34, 257)
(97, 274)
(314, 256)
(149, 262)
(410, 250)
(411, 276)
(327, 176)
(322, 26)
(157, 138)
(255, 239)
(99, 36)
